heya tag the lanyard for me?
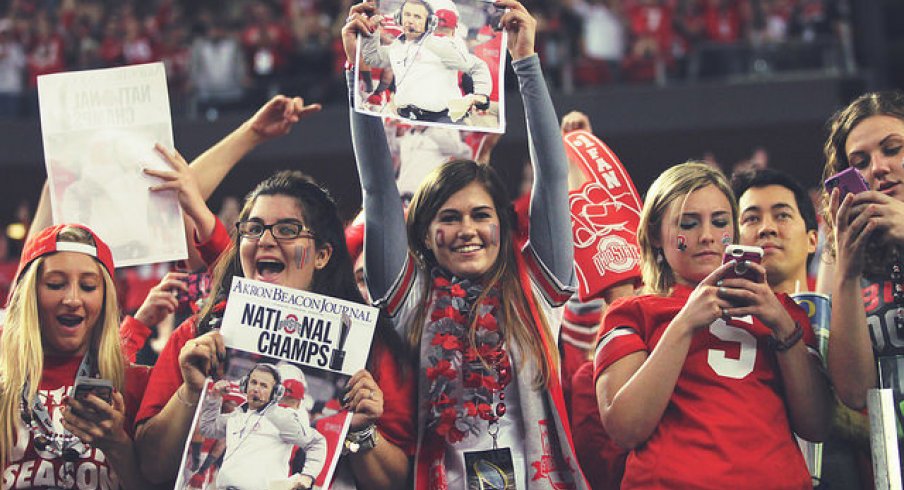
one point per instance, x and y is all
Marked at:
(61, 445)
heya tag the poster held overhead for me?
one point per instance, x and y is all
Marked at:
(99, 128)
(434, 63)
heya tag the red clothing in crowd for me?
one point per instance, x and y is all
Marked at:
(652, 21)
(602, 460)
(723, 25)
(134, 283)
(267, 47)
(30, 468)
(45, 57)
(110, 50)
(726, 424)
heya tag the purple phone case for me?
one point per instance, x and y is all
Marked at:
(848, 180)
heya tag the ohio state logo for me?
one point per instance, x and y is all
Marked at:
(615, 254)
(290, 325)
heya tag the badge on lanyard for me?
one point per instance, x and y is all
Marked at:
(490, 470)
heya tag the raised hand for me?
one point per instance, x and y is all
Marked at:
(162, 299)
(360, 20)
(200, 357)
(521, 27)
(220, 388)
(183, 182)
(277, 117)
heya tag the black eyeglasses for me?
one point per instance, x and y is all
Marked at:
(286, 230)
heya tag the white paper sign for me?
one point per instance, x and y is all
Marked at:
(99, 129)
(315, 343)
(439, 64)
(298, 326)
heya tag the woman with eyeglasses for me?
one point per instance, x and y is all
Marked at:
(289, 233)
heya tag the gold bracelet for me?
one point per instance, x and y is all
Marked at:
(182, 400)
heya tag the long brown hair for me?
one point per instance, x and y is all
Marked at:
(887, 103)
(515, 318)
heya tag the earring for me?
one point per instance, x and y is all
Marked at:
(658, 254)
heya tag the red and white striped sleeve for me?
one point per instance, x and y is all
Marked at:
(621, 334)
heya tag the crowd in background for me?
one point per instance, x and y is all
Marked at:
(236, 54)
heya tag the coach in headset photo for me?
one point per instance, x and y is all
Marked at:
(426, 64)
(260, 435)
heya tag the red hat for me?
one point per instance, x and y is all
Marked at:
(354, 237)
(294, 389)
(46, 242)
(446, 18)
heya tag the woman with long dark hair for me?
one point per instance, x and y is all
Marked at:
(476, 313)
(867, 239)
(289, 233)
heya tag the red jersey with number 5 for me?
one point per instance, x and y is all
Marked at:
(726, 424)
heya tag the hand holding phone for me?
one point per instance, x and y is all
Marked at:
(198, 286)
(743, 255)
(848, 181)
(101, 388)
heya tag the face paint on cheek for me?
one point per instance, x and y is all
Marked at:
(440, 238)
(302, 256)
(726, 239)
(494, 235)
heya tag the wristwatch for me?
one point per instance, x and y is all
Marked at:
(361, 440)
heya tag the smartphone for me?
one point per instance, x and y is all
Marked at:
(848, 180)
(198, 287)
(101, 388)
(743, 255)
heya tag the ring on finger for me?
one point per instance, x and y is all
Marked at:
(372, 395)
(725, 313)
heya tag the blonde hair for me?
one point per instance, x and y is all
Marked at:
(678, 182)
(22, 353)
